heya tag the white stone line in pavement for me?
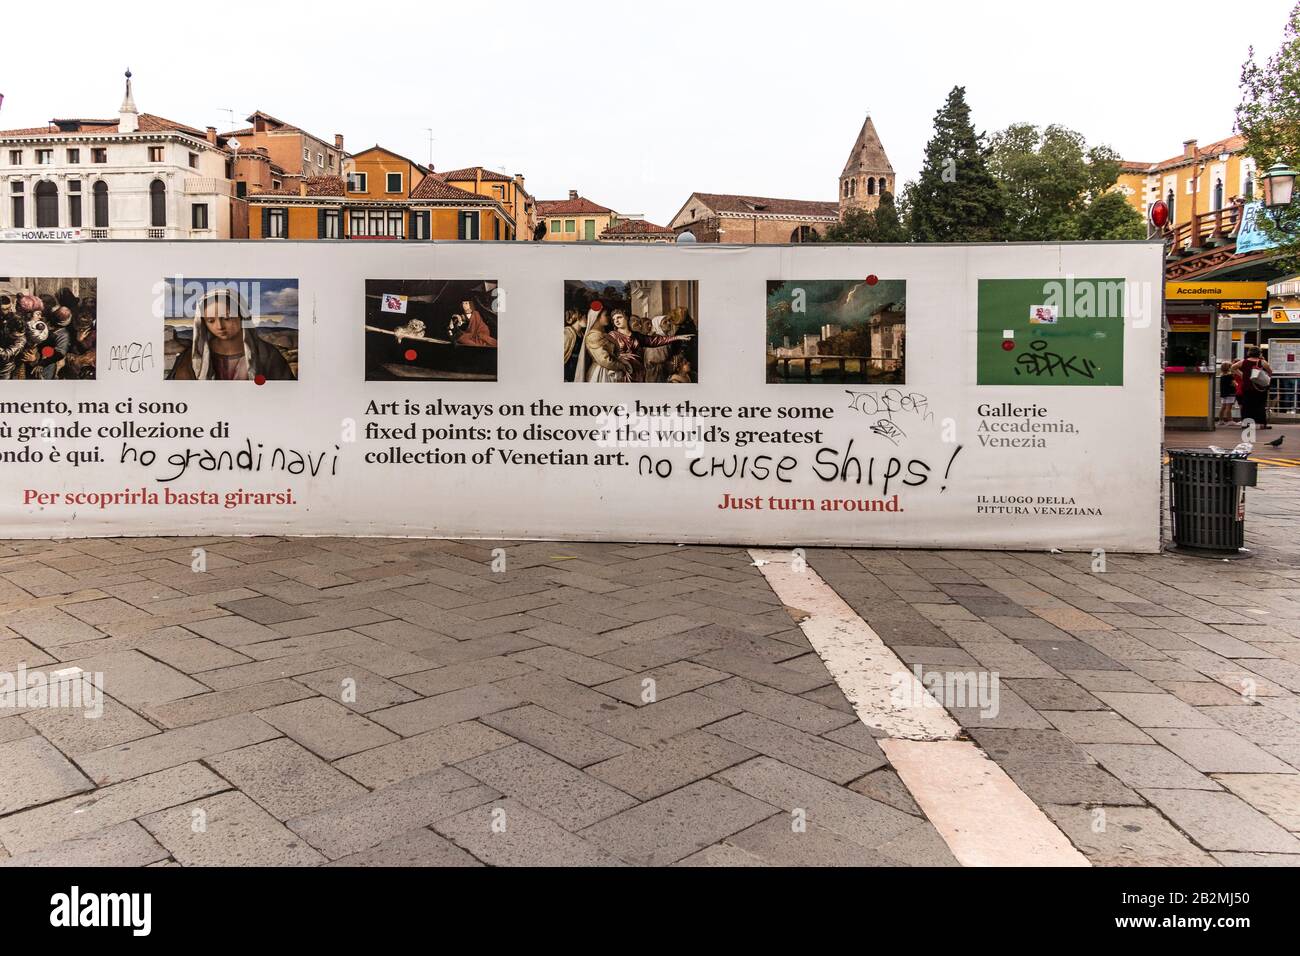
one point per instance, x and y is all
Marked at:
(980, 812)
(881, 688)
(982, 815)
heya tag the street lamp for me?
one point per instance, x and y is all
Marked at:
(1279, 185)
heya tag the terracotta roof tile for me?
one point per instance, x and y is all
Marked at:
(435, 187)
(724, 203)
(467, 175)
(568, 207)
(637, 227)
(1229, 144)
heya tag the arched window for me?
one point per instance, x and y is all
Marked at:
(157, 204)
(100, 191)
(47, 205)
(871, 186)
(1250, 188)
(1218, 194)
(1169, 201)
(853, 187)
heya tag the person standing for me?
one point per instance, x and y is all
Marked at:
(1227, 392)
(1252, 395)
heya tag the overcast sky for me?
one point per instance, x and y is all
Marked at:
(636, 106)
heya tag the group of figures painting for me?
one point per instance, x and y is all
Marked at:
(615, 331)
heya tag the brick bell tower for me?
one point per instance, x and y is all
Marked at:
(867, 173)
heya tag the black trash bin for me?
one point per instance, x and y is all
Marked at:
(1208, 499)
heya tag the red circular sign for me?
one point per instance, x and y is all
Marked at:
(259, 379)
(872, 280)
(1159, 213)
(410, 355)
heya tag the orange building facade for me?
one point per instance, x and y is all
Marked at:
(381, 195)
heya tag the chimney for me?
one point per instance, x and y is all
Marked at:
(302, 188)
(573, 194)
(128, 119)
(212, 135)
(338, 140)
(1189, 149)
(478, 178)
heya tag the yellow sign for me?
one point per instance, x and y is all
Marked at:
(1211, 291)
(1286, 316)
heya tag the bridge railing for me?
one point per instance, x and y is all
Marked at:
(1214, 228)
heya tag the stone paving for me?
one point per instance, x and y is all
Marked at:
(400, 702)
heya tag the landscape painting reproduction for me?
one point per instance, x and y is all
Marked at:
(1051, 331)
(638, 330)
(837, 331)
(47, 328)
(230, 330)
(431, 330)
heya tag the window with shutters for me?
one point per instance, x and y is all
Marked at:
(194, 160)
(155, 154)
(74, 157)
(99, 154)
(100, 193)
(277, 223)
(589, 229)
(15, 157)
(18, 206)
(356, 182)
(199, 215)
(396, 224)
(157, 204)
(570, 225)
(47, 206)
(241, 190)
(331, 224)
(420, 225)
(468, 228)
(555, 225)
(44, 157)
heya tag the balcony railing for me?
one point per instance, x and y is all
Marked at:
(1205, 229)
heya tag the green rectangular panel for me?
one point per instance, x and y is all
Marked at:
(1051, 332)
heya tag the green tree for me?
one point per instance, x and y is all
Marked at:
(1052, 179)
(956, 198)
(1109, 217)
(878, 225)
(1269, 118)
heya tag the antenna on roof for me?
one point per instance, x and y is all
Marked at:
(429, 130)
(229, 112)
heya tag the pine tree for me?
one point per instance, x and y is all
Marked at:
(956, 198)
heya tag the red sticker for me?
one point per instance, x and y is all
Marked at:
(259, 379)
(596, 305)
(1008, 345)
(872, 280)
(410, 355)
(47, 351)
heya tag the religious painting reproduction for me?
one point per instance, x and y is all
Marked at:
(47, 328)
(631, 330)
(839, 331)
(230, 330)
(437, 330)
(1051, 332)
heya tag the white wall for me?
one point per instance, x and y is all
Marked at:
(1112, 463)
